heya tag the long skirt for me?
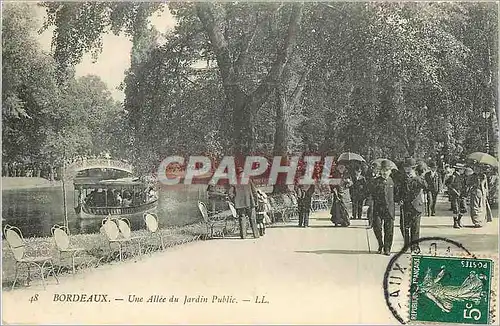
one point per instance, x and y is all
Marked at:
(339, 213)
(478, 207)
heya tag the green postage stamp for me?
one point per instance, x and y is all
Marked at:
(451, 290)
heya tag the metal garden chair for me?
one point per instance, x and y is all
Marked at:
(63, 246)
(19, 247)
(151, 221)
(118, 231)
(211, 220)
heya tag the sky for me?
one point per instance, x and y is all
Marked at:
(115, 56)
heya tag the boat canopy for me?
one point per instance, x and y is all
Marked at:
(109, 183)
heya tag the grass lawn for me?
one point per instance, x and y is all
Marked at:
(96, 250)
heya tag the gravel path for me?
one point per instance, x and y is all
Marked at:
(318, 275)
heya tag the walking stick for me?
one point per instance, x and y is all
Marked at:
(427, 203)
(368, 239)
(402, 222)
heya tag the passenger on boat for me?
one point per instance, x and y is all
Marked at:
(119, 200)
(100, 198)
(110, 197)
(127, 199)
(152, 194)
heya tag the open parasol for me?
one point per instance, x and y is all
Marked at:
(348, 156)
(483, 158)
(391, 163)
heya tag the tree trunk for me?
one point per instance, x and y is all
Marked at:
(281, 138)
(244, 105)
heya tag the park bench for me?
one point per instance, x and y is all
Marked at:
(19, 248)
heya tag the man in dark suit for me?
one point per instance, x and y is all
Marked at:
(358, 194)
(304, 194)
(244, 197)
(413, 203)
(456, 184)
(433, 180)
(371, 174)
(381, 190)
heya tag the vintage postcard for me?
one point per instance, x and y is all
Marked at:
(250, 163)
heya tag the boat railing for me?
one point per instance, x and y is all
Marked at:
(118, 210)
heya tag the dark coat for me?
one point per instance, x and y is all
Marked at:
(307, 198)
(457, 185)
(433, 181)
(244, 195)
(412, 194)
(358, 189)
(382, 192)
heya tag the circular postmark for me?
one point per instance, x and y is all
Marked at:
(398, 274)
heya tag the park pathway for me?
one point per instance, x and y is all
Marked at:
(318, 275)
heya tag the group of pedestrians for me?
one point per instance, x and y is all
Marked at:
(251, 204)
(381, 186)
(415, 188)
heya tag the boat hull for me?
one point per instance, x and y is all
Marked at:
(102, 212)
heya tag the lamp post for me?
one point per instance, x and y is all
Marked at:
(486, 116)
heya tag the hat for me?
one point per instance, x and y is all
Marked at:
(409, 163)
(459, 166)
(432, 164)
(385, 165)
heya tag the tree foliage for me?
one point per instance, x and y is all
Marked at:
(44, 121)
(381, 78)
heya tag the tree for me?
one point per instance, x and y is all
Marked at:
(44, 121)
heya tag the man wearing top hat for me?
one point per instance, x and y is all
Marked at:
(456, 184)
(412, 191)
(381, 189)
(433, 180)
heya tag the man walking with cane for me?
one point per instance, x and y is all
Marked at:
(413, 206)
(382, 191)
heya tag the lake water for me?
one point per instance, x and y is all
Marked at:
(35, 211)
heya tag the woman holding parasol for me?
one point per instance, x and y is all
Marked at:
(338, 211)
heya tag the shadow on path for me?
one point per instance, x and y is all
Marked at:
(282, 226)
(336, 252)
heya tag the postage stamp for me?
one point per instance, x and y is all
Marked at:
(451, 289)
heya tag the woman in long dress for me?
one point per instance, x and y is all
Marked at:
(339, 213)
(478, 191)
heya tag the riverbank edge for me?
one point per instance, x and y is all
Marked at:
(15, 183)
(96, 249)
